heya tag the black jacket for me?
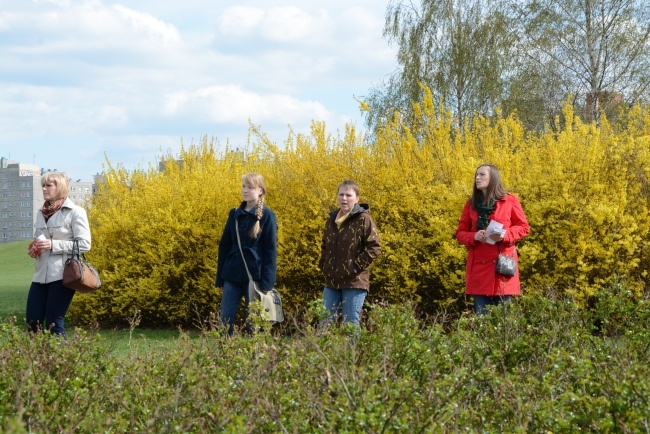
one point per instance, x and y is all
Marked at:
(260, 252)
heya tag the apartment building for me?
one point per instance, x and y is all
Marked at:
(80, 192)
(21, 196)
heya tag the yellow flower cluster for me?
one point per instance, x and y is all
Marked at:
(585, 191)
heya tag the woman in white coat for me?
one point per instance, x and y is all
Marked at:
(60, 222)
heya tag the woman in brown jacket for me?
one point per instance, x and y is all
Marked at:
(350, 244)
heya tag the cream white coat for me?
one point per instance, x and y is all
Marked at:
(70, 222)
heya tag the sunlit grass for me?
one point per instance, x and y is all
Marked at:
(16, 271)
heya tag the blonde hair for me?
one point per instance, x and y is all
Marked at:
(256, 180)
(60, 180)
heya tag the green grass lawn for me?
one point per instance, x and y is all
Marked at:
(16, 271)
(127, 343)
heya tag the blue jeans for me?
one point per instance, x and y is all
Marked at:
(230, 300)
(345, 303)
(481, 301)
(47, 304)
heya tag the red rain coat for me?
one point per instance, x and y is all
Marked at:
(480, 274)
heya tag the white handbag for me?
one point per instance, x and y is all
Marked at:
(271, 302)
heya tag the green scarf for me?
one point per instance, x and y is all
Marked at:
(484, 212)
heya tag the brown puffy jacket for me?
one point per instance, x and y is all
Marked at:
(346, 253)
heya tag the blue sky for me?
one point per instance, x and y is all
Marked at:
(85, 79)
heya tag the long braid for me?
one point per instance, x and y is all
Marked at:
(259, 211)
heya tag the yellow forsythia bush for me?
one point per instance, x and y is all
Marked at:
(584, 190)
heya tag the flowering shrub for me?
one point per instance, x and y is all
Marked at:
(583, 188)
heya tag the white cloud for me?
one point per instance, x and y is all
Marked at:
(111, 115)
(44, 108)
(5, 20)
(290, 24)
(60, 3)
(233, 105)
(86, 25)
(128, 78)
(240, 20)
(284, 25)
(144, 23)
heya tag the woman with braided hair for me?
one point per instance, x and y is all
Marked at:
(258, 234)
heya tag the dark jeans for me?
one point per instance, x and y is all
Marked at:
(47, 304)
(481, 301)
(230, 300)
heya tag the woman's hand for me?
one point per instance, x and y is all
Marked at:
(480, 236)
(497, 238)
(31, 251)
(45, 244)
(35, 248)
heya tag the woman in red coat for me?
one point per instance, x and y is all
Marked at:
(490, 202)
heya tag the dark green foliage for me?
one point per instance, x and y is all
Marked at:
(535, 365)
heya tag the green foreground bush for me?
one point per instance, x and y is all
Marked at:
(540, 364)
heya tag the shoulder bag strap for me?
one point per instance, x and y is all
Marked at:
(499, 247)
(241, 251)
(75, 250)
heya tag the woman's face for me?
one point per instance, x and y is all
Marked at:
(483, 178)
(347, 198)
(49, 192)
(250, 193)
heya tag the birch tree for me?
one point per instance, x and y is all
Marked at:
(597, 48)
(460, 49)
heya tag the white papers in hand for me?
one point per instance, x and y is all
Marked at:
(494, 228)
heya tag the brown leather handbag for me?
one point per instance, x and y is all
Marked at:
(78, 274)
